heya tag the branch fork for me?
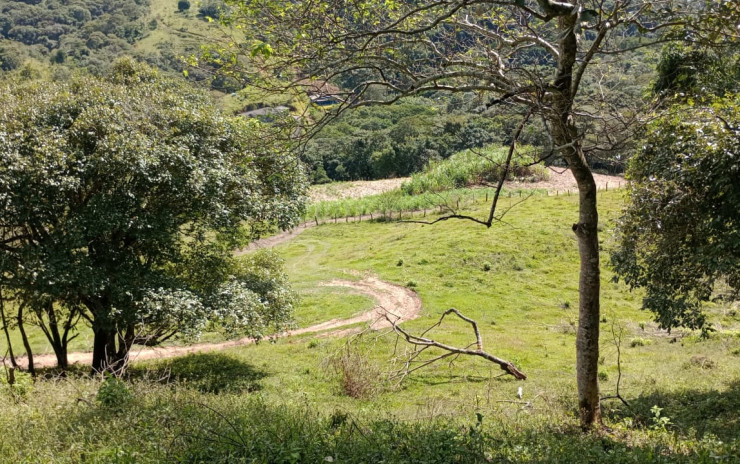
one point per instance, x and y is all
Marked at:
(422, 343)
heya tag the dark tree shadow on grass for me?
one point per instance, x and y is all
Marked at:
(692, 413)
(207, 372)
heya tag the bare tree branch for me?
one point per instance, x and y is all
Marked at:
(424, 343)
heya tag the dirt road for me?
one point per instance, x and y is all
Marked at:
(399, 303)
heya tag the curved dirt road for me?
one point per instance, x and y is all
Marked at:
(399, 303)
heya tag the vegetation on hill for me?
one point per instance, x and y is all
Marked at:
(440, 185)
(475, 167)
(86, 34)
(57, 38)
(401, 139)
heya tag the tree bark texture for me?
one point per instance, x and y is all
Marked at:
(24, 337)
(107, 354)
(7, 331)
(566, 136)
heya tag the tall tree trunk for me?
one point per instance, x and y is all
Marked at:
(567, 137)
(6, 330)
(57, 342)
(101, 342)
(587, 338)
(24, 337)
(107, 354)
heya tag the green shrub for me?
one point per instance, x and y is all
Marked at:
(114, 393)
(639, 341)
(18, 383)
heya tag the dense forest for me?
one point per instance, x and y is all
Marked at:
(60, 37)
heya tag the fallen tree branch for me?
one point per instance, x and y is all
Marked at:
(425, 343)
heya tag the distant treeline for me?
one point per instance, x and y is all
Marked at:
(397, 140)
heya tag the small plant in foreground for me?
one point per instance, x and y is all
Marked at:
(660, 422)
(114, 393)
(702, 362)
(359, 377)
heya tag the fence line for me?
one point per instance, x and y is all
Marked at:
(334, 211)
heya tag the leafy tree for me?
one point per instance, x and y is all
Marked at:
(680, 235)
(10, 58)
(687, 71)
(121, 201)
(183, 5)
(532, 57)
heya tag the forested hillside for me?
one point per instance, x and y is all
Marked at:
(55, 38)
(58, 37)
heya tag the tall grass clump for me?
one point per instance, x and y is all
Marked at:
(473, 167)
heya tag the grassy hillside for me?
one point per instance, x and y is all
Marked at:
(283, 401)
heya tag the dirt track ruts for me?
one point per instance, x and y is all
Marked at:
(400, 303)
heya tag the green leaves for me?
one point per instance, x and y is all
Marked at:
(680, 234)
(263, 49)
(126, 196)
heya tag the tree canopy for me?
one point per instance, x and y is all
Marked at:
(121, 200)
(680, 235)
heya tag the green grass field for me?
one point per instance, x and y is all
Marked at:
(283, 401)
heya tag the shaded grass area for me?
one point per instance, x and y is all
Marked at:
(160, 424)
(204, 372)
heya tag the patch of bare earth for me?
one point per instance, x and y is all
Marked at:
(399, 303)
(355, 189)
(563, 180)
